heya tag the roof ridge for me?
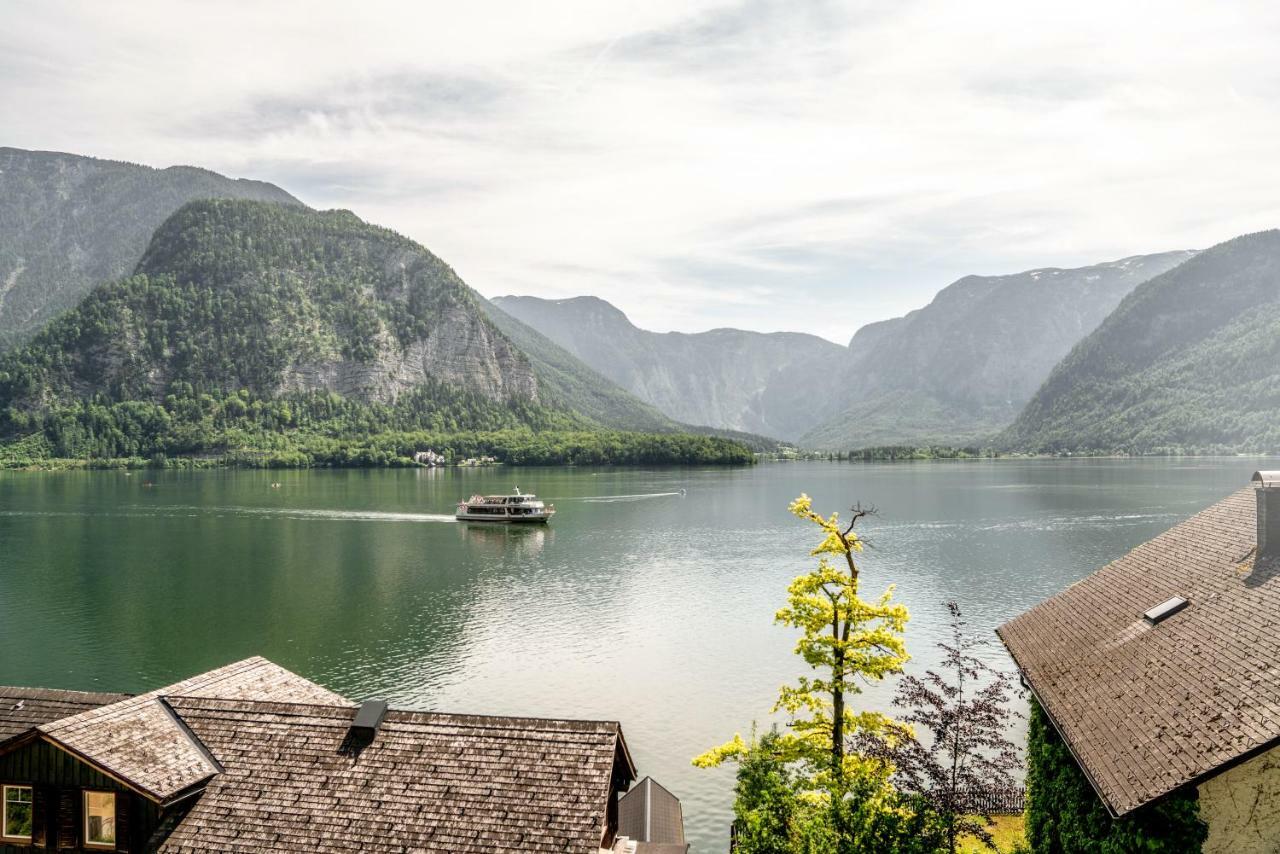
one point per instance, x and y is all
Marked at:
(399, 712)
(35, 690)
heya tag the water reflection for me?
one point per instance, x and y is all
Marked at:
(524, 542)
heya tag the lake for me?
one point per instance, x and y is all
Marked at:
(638, 603)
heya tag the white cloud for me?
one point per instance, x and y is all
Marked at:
(766, 165)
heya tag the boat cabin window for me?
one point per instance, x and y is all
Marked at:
(16, 815)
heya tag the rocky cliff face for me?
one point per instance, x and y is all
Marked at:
(727, 378)
(273, 299)
(961, 368)
(458, 348)
(69, 223)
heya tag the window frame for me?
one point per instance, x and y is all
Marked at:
(84, 819)
(4, 812)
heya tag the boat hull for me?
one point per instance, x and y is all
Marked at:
(503, 520)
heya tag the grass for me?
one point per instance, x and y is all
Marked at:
(1008, 831)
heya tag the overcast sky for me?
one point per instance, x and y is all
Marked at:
(761, 165)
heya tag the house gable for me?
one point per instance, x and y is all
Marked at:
(58, 780)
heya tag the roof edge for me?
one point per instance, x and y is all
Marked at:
(1026, 680)
(101, 768)
(191, 736)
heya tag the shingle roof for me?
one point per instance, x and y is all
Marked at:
(1147, 709)
(427, 783)
(24, 708)
(139, 741)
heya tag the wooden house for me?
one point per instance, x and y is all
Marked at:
(1161, 671)
(251, 757)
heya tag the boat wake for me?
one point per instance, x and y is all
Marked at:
(334, 515)
(609, 499)
(174, 510)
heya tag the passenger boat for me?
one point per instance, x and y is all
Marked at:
(507, 509)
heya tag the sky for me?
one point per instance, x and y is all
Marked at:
(770, 166)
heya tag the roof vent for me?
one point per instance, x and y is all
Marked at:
(1268, 491)
(368, 719)
(1165, 610)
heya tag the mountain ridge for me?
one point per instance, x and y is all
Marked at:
(1190, 360)
(960, 369)
(758, 382)
(70, 222)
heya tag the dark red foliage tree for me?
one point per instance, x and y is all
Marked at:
(962, 754)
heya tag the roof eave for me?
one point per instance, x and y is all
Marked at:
(1026, 680)
(153, 796)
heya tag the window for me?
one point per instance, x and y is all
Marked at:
(100, 819)
(16, 812)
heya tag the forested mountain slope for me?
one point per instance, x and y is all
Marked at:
(762, 383)
(1189, 361)
(245, 321)
(69, 223)
(961, 368)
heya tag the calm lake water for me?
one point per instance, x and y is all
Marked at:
(635, 604)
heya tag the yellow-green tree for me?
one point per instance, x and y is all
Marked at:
(847, 641)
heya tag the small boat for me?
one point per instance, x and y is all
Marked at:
(505, 509)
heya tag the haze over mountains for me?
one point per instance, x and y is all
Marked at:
(757, 382)
(956, 371)
(962, 367)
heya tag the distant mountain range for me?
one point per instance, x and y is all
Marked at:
(958, 370)
(961, 368)
(69, 223)
(151, 309)
(751, 381)
(1189, 361)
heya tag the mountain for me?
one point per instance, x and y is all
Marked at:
(272, 300)
(961, 368)
(572, 383)
(247, 322)
(1189, 361)
(761, 383)
(69, 223)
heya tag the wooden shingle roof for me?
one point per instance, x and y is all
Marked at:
(24, 708)
(1147, 709)
(143, 744)
(427, 782)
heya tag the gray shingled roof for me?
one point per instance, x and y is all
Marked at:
(428, 782)
(140, 742)
(1147, 709)
(24, 708)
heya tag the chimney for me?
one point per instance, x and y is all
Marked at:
(368, 718)
(1268, 490)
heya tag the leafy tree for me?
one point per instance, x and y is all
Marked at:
(966, 713)
(847, 641)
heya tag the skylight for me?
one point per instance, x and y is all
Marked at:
(1165, 610)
